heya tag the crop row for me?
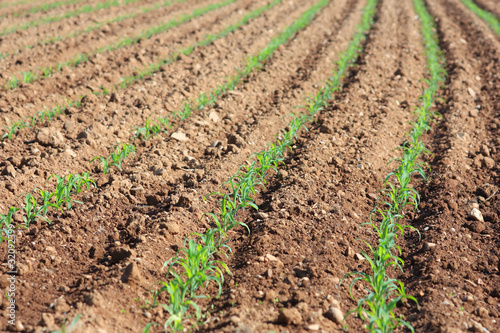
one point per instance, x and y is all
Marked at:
(31, 76)
(74, 13)
(44, 7)
(194, 267)
(377, 307)
(153, 127)
(95, 26)
(37, 206)
(48, 114)
(486, 16)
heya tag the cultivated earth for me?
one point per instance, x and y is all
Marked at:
(101, 260)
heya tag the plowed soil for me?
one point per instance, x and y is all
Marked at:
(305, 237)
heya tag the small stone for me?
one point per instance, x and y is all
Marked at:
(475, 215)
(270, 295)
(359, 257)
(213, 116)
(473, 113)
(70, 152)
(290, 316)
(349, 252)
(468, 299)
(271, 257)
(335, 315)
(131, 274)
(261, 216)
(471, 92)
(235, 320)
(243, 328)
(488, 162)
(179, 136)
(313, 327)
(120, 253)
(482, 312)
(60, 306)
(427, 246)
(10, 171)
(50, 136)
(136, 190)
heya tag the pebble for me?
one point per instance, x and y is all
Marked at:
(359, 257)
(312, 327)
(335, 315)
(179, 136)
(482, 312)
(213, 116)
(427, 246)
(475, 215)
(349, 252)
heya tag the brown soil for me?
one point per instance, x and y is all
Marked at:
(305, 238)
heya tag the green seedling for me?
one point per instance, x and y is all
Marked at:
(70, 327)
(6, 222)
(73, 13)
(12, 83)
(29, 77)
(383, 292)
(486, 16)
(243, 185)
(119, 154)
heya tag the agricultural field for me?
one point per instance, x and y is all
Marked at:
(250, 166)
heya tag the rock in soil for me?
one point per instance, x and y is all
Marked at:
(290, 316)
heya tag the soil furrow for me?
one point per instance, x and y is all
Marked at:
(456, 278)
(39, 56)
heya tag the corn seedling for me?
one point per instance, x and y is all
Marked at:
(127, 41)
(12, 83)
(118, 155)
(241, 187)
(255, 62)
(45, 7)
(74, 13)
(486, 16)
(6, 223)
(126, 81)
(207, 40)
(384, 293)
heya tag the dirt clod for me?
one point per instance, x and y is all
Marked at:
(290, 316)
